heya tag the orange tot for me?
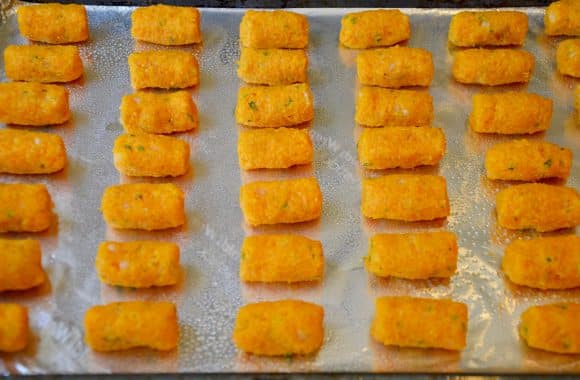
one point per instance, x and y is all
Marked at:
(368, 29)
(562, 18)
(24, 208)
(13, 327)
(489, 28)
(538, 206)
(287, 327)
(400, 147)
(138, 264)
(406, 197)
(273, 66)
(278, 148)
(163, 69)
(492, 67)
(41, 63)
(568, 57)
(553, 328)
(274, 29)
(524, 160)
(20, 265)
(286, 201)
(413, 256)
(395, 67)
(24, 152)
(420, 322)
(124, 325)
(54, 23)
(143, 206)
(33, 104)
(544, 263)
(281, 258)
(166, 25)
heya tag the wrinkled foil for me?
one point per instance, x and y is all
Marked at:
(210, 293)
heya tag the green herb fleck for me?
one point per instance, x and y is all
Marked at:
(289, 356)
(288, 102)
(285, 204)
(549, 259)
(253, 105)
(140, 148)
(378, 38)
(548, 163)
(10, 214)
(266, 53)
(139, 196)
(353, 20)
(128, 147)
(511, 167)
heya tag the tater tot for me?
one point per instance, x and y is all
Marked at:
(524, 160)
(562, 18)
(544, 263)
(33, 104)
(407, 197)
(420, 322)
(124, 325)
(54, 23)
(367, 29)
(24, 152)
(488, 28)
(285, 201)
(41, 63)
(20, 264)
(143, 206)
(510, 113)
(274, 106)
(278, 148)
(568, 57)
(146, 155)
(395, 67)
(166, 25)
(138, 264)
(13, 327)
(538, 206)
(24, 208)
(158, 113)
(163, 69)
(281, 258)
(287, 327)
(273, 66)
(413, 255)
(379, 107)
(400, 147)
(492, 67)
(274, 29)
(552, 327)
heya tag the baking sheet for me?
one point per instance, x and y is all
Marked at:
(210, 293)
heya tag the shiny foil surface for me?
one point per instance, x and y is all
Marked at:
(210, 292)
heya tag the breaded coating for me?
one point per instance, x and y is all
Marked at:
(273, 66)
(158, 113)
(285, 201)
(380, 107)
(367, 29)
(42, 63)
(553, 327)
(510, 113)
(274, 29)
(274, 106)
(407, 197)
(278, 148)
(544, 263)
(54, 23)
(124, 325)
(538, 206)
(166, 25)
(488, 28)
(287, 327)
(20, 265)
(568, 57)
(24, 152)
(413, 255)
(146, 155)
(492, 67)
(281, 258)
(395, 67)
(163, 69)
(420, 322)
(143, 206)
(524, 160)
(13, 327)
(24, 208)
(400, 147)
(33, 104)
(138, 264)
(562, 18)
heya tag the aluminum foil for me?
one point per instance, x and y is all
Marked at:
(210, 293)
